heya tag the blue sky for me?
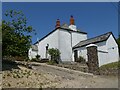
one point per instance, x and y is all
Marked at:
(93, 18)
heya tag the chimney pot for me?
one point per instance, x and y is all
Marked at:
(57, 23)
(72, 20)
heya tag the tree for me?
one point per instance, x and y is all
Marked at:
(16, 34)
(55, 54)
(118, 41)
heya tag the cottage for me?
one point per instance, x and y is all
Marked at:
(106, 46)
(72, 43)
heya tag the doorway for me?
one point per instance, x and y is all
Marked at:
(75, 55)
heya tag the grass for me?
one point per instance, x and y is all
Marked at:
(111, 65)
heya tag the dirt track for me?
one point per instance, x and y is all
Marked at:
(76, 79)
(57, 77)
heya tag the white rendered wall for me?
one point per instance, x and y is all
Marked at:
(65, 45)
(32, 54)
(73, 27)
(102, 53)
(77, 37)
(112, 48)
(82, 51)
(102, 58)
(52, 40)
(66, 41)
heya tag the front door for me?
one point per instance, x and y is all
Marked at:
(75, 55)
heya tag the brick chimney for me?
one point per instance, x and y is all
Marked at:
(72, 20)
(57, 23)
(72, 25)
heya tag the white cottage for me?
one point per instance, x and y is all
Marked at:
(72, 43)
(63, 38)
(106, 46)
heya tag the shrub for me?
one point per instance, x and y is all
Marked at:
(55, 54)
(37, 56)
(26, 59)
(81, 59)
(34, 59)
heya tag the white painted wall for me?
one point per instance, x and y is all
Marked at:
(102, 53)
(52, 40)
(32, 54)
(67, 40)
(102, 58)
(65, 45)
(111, 54)
(82, 51)
(77, 37)
(73, 27)
(112, 48)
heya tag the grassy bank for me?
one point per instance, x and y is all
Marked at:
(110, 69)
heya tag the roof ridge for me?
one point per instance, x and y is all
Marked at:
(55, 30)
(96, 36)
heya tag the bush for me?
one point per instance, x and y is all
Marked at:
(81, 59)
(34, 59)
(37, 56)
(55, 54)
(26, 59)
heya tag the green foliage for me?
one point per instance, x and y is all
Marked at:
(16, 34)
(0, 34)
(34, 59)
(55, 54)
(51, 62)
(37, 56)
(118, 41)
(81, 59)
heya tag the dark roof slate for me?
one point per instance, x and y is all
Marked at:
(94, 40)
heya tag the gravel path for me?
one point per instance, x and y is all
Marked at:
(75, 79)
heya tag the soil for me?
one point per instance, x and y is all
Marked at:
(43, 76)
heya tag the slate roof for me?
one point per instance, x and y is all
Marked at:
(63, 27)
(34, 48)
(94, 40)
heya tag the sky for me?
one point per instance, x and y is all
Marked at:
(93, 18)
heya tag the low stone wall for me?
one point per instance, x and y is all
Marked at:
(74, 66)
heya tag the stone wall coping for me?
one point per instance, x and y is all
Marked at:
(91, 45)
